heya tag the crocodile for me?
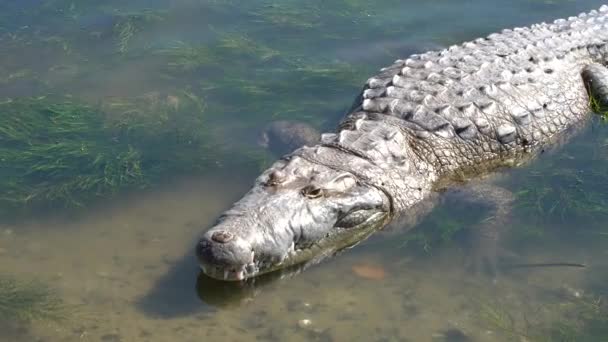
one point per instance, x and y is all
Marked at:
(427, 122)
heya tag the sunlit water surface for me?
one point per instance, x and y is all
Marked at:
(125, 263)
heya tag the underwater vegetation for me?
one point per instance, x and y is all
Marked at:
(264, 83)
(599, 107)
(55, 150)
(360, 18)
(265, 80)
(62, 150)
(442, 227)
(577, 319)
(586, 321)
(129, 23)
(29, 301)
(238, 48)
(560, 189)
(552, 200)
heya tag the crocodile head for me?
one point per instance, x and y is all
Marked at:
(296, 212)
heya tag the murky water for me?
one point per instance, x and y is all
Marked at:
(123, 262)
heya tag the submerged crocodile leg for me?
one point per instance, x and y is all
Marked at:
(284, 136)
(486, 234)
(595, 77)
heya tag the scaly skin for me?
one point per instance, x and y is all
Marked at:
(419, 123)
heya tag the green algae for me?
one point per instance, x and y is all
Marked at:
(557, 189)
(599, 106)
(325, 18)
(129, 23)
(54, 151)
(23, 301)
(170, 129)
(576, 318)
(61, 152)
(264, 82)
(234, 47)
(586, 320)
(288, 15)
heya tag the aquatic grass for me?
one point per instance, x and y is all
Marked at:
(170, 130)
(29, 301)
(585, 320)
(57, 151)
(328, 19)
(233, 47)
(268, 78)
(59, 41)
(576, 318)
(243, 45)
(599, 107)
(499, 318)
(442, 231)
(564, 193)
(184, 57)
(251, 48)
(62, 21)
(290, 83)
(443, 227)
(126, 31)
(267, 84)
(288, 15)
(330, 74)
(561, 189)
(580, 319)
(16, 75)
(129, 23)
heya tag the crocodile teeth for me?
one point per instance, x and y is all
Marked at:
(240, 275)
(226, 274)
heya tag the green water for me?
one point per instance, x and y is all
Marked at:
(126, 128)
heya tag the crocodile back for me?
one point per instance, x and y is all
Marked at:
(486, 100)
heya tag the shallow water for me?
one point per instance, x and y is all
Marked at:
(124, 263)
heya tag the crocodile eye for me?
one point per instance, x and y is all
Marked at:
(312, 191)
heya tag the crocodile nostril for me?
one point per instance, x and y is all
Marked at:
(222, 237)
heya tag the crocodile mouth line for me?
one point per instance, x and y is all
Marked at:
(259, 266)
(326, 246)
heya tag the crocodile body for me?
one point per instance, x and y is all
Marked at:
(419, 123)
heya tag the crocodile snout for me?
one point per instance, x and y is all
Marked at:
(224, 255)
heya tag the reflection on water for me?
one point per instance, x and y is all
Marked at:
(177, 87)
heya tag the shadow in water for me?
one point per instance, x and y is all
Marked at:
(222, 294)
(184, 290)
(174, 294)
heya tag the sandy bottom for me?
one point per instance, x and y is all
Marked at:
(128, 269)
